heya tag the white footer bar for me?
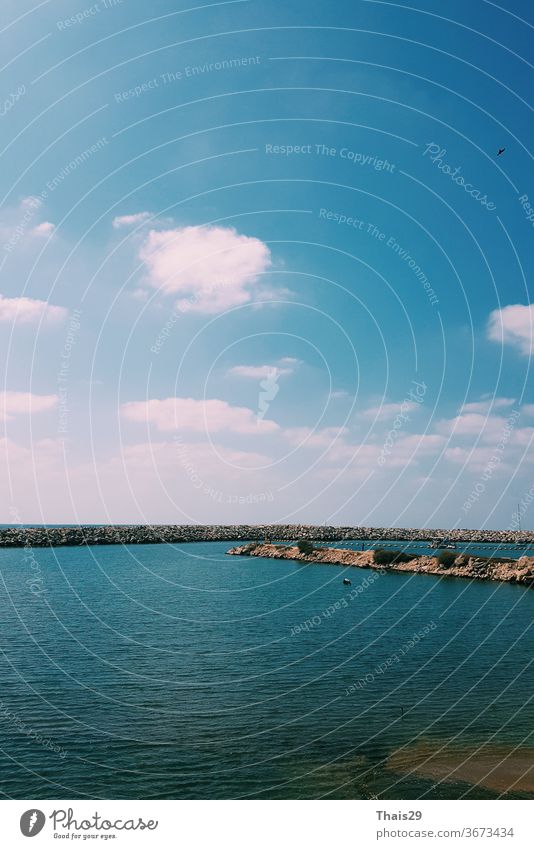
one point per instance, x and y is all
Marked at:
(318, 824)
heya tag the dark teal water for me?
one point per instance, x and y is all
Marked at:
(176, 672)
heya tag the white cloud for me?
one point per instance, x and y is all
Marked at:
(492, 431)
(22, 463)
(188, 414)
(515, 325)
(485, 405)
(31, 202)
(479, 438)
(44, 229)
(473, 424)
(482, 458)
(420, 443)
(130, 220)
(523, 436)
(406, 452)
(210, 268)
(30, 311)
(24, 403)
(285, 366)
(20, 224)
(200, 456)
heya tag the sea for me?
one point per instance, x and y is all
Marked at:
(179, 672)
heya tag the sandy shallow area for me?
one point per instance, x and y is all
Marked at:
(494, 767)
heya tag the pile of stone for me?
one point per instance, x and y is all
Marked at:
(462, 566)
(144, 534)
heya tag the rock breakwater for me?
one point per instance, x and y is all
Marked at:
(519, 571)
(39, 536)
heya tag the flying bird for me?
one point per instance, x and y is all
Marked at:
(501, 151)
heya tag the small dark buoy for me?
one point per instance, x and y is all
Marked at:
(346, 581)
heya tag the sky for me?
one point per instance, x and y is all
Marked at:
(263, 262)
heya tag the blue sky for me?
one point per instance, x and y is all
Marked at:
(261, 262)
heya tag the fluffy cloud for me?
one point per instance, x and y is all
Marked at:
(30, 311)
(24, 403)
(488, 428)
(486, 404)
(19, 223)
(188, 414)
(285, 366)
(515, 325)
(43, 229)
(30, 202)
(210, 268)
(130, 220)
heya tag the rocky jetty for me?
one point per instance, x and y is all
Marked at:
(142, 534)
(519, 571)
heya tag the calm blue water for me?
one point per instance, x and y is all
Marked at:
(176, 672)
(484, 549)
